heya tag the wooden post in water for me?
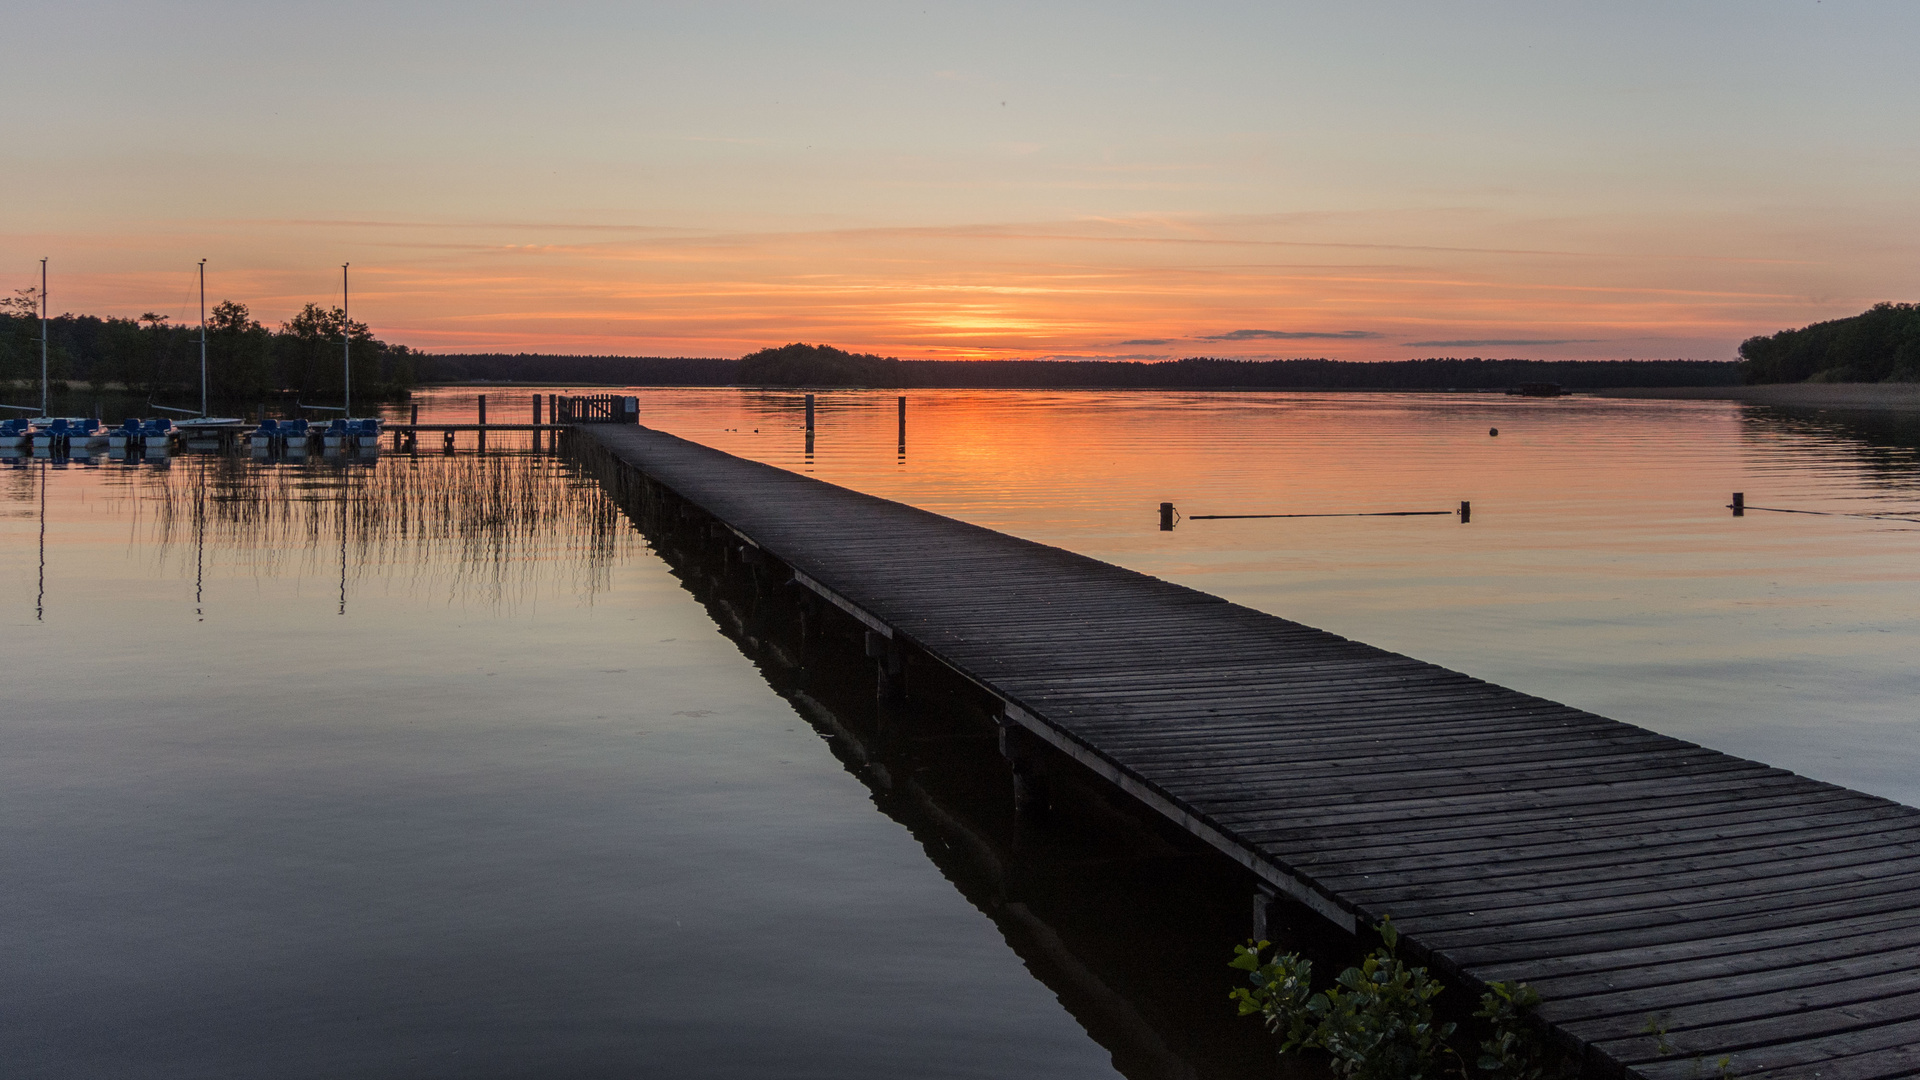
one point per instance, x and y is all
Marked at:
(1739, 504)
(416, 414)
(1466, 511)
(903, 424)
(483, 422)
(809, 414)
(536, 421)
(1166, 517)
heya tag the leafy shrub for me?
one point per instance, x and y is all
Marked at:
(1377, 1020)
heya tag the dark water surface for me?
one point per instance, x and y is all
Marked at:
(431, 768)
(439, 766)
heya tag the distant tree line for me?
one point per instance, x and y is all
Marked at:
(245, 359)
(597, 370)
(1881, 344)
(824, 365)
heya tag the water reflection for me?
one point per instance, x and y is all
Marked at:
(468, 527)
(1125, 918)
(1883, 446)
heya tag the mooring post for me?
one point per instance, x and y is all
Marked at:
(903, 424)
(1739, 504)
(809, 414)
(1466, 511)
(1166, 517)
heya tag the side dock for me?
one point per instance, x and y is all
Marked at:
(1683, 913)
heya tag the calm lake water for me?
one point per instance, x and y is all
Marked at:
(434, 765)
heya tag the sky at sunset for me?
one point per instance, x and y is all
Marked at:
(1360, 181)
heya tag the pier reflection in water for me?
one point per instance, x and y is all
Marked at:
(384, 767)
(1123, 916)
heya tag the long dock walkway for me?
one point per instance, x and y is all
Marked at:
(1683, 913)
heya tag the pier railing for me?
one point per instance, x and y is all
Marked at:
(596, 409)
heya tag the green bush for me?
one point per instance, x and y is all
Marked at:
(1377, 1021)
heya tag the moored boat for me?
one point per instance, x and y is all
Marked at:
(16, 434)
(295, 433)
(53, 435)
(157, 432)
(85, 434)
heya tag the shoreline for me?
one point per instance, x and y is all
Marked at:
(1864, 397)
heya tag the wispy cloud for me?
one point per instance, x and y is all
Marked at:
(1477, 342)
(1147, 341)
(1291, 335)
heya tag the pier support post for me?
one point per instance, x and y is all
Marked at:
(809, 417)
(1268, 922)
(890, 680)
(1032, 799)
(1166, 517)
(1739, 504)
(903, 425)
(1466, 511)
(809, 623)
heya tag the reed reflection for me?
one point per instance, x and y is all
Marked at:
(487, 529)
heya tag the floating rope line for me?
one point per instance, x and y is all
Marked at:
(1375, 513)
(1835, 513)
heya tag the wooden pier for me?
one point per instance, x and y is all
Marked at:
(1683, 913)
(414, 429)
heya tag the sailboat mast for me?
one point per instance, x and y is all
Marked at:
(346, 339)
(203, 337)
(43, 337)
